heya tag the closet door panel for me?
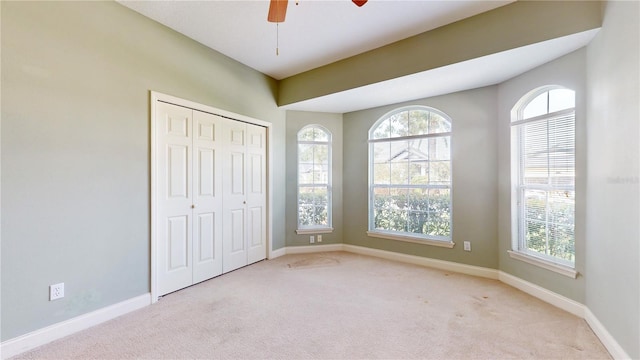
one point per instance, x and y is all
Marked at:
(177, 243)
(174, 197)
(234, 196)
(256, 193)
(256, 226)
(207, 199)
(237, 231)
(206, 179)
(205, 241)
(178, 171)
(237, 174)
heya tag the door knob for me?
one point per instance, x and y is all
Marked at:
(244, 202)
(193, 206)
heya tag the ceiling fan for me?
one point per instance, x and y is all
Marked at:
(278, 9)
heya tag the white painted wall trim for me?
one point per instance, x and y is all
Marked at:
(616, 351)
(390, 255)
(277, 253)
(423, 261)
(59, 330)
(311, 231)
(314, 249)
(557, 268)
(543, 294)
(412, 239)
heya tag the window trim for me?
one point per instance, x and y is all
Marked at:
(406, 236)
(518, 249)
(543, 263)
(412, 239)
(315, 229)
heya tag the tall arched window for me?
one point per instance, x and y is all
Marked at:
(410, 176)
(543, 175)
(314, 179)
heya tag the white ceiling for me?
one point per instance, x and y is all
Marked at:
(319, 32)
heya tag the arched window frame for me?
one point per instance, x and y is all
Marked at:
(555, 192)
(433, 225)
(307, 221)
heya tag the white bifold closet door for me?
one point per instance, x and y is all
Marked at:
(189, 197)
(211, 195)
(244, 195)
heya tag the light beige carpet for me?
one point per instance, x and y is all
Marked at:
(338, 306)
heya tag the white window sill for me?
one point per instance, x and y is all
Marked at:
(444, 243)
(314, 231)
(557, 268)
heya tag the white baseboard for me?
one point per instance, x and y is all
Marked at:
(314, 249)
(277, 253)
(545, 295)
(57, 331)
(390, 255)
(616, 351)
(423, 261)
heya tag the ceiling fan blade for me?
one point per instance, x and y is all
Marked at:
(277, 10)
(359, 2)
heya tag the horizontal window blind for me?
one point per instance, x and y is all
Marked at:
(547, 155)
(545, 184)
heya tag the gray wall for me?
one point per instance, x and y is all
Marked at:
(567, 71)
(76, 78)
(613, 216)
(296, 120)
(474, 157)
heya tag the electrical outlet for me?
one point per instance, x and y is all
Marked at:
(467, 246)
(56, 291)
(319, 238)
(312, 239)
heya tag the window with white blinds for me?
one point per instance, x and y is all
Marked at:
(314, 178)
(543, 154)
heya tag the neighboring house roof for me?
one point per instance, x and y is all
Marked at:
(409, 154)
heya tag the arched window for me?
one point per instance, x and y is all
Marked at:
(314, 179)
(543, 174)
(410, 175)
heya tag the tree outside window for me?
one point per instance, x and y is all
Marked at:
(410, 174)
(314, 177)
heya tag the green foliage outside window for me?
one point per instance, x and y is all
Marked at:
(313, 209)
(549, 224)
(420, 214)
(410, 173)
(543, 148)
(314, 177)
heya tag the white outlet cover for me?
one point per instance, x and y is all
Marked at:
(467, 246)
(56, 291)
